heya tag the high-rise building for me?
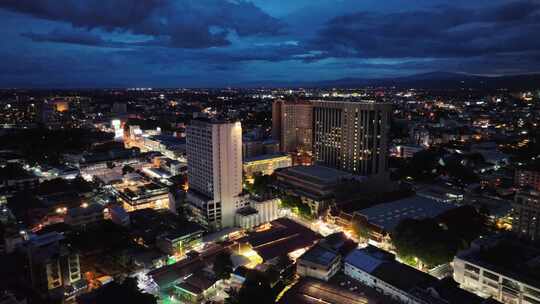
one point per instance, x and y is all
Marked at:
(351, 136)
(528, 177)
(214, 153)
(526, 217)
(292, 125)
(51, 266)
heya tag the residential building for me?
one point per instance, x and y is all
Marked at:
(265, 164)
(14, 178)
(319, 263)
(315, 185)
(52, 268)
(84, 215)
(292, 125)
(406, 151)
(352, 136)
(383, 218)
(378, 269)
(181, 241)
(526, 214)
(502, 267)
(142, 194)
(257, 213)
(527, 177)
(214, 152)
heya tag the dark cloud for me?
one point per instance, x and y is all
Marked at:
(437, 32)
(214, 42)
(68, 36)
(183, 23)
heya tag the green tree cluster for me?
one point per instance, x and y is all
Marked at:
(223, 265)
(436, 241)
(296, 205)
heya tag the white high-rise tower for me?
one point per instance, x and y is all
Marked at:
(214, 154)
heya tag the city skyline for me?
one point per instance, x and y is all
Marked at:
(70, 44)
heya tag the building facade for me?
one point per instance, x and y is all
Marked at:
(258, 213)
(526, 217)
(292, 125)
(512, 281)
(214, 152)
(351, 136)
(527, 178)
(319, 263)
(265, 164)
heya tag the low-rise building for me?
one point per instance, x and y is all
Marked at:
(265, 164)
(13, 178)
(378, 269)
(315, 185)
(387, 216)
(528, 177)
(84, 215)
(257, 213)
(52, 268)
(319, 263)
(136, 195)
(526, 214)
(165, 231)
(502, 267)
(406, 151)
(181, 241)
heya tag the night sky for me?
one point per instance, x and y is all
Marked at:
(199, 43)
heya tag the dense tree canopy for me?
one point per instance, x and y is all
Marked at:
(127, 292)
(436, 241)
(296, 205)
(223, 265)
(256, 289)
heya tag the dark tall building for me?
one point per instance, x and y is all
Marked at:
(292, 125)
(351, 136)
(52, 268)
(526, 217)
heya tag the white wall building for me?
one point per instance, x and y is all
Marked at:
(214, 152)
(513, 281)
(257, 213)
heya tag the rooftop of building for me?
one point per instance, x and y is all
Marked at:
(246, 211)
(142, 188)
(311, 291)
(284, 236)
(197, 283)
(85, 210)
(506, 255)
(151, 224)
(14, 172)
(266, 157)
(388, 215)
(368, 258)
(382, 265)
(166, 275)
(320, 256)
(316, 173)
(168, 139)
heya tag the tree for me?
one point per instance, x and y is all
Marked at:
(127, 292)
(359, 228)
(127, 169)
(223, 265)
(261, 183)
(423, 165)
(256, 289)
(425, 240)
(296, 205)
(464, 222)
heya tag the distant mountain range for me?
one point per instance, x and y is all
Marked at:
(432, 80)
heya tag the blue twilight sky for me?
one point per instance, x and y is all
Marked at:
(194, 43)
